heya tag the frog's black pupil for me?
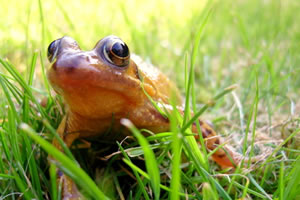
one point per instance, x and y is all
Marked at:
(120, 49)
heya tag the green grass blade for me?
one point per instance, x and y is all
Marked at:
(32, 167)
(201, 111)
(6, 176)
(203, 173)
(255, 107)
(292, 189)
(151, 164)
(281, 181)
(252, 180)
(208, 192)
(193, 59)
(67, 165)
(144, 174)
(59, 139)
(17, 76)
(176, 153)
(23, 186)
(53, 177)
(138, 178)
(26, 105)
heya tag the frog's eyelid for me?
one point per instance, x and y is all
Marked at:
(106, 55)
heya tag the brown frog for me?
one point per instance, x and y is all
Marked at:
(106, 83)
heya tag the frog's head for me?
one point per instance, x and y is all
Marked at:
(95, 83)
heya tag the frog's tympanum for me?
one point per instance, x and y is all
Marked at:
(105, 84)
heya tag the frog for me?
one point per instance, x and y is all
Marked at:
(107, 84)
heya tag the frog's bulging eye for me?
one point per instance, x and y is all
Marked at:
(53, 49)
(120, 49)
(116, 52)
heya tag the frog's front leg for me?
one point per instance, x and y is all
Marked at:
(69, 189)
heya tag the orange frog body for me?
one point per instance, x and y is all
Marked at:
(104, 85)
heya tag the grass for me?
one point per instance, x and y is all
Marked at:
(253, 45)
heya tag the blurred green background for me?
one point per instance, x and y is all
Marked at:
(239, 36)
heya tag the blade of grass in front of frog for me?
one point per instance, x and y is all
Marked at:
(45, 79)
(157, 136)
(291, 190)
(26, 105)
(201, 139)
(199, 113)
(26, 144)
(193, 59)
(150, 161)
(138, 151)
(17, 76)
(145, 175)
(14, 138)
(176, 152)
(138, 178)
(2, 165)
(32, 164)
(53, 178)
(66, 165)
(192, 153)
(5, 146)
(8, 97)
(279, 193)
(195, 52)
(15, 91)
(18, 157)
(188, 85)
(59, 139)
(155, 104)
